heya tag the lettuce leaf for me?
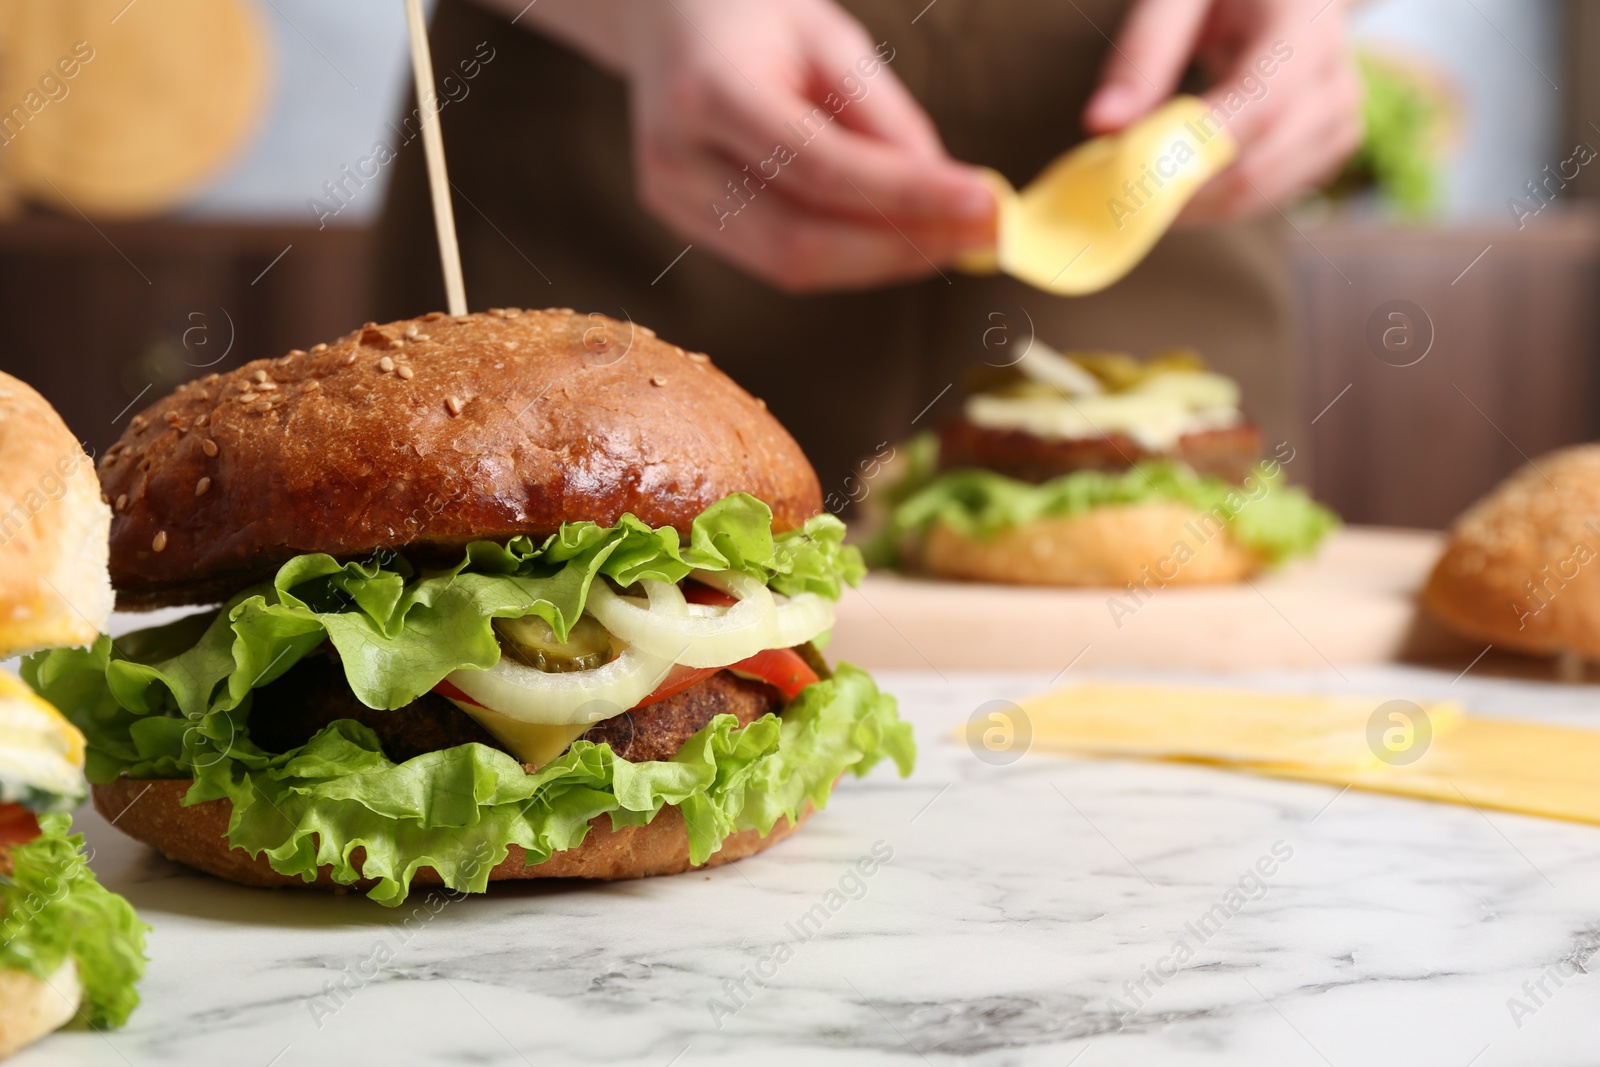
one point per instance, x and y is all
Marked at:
(52, 909)
(1265, 514)
(174, 702)
(457, 810)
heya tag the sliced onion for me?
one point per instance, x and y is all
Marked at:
(698, 635)
(666, 628)
(527, 694)
(654, 633)
(798, 618)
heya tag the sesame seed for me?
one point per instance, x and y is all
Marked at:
(463, 318)
(319, 348)
(122, 501)
(762, 404)
(423, 337)
(699, 357)
(452, 405)
(209, 447)
(260, 376)
(351, 358)
(137, 422)
(508, 344)
(395, 342)
(247, 396)
(406, 373)
(512, 313)
(498, 313)
(159, 542)
(263, 407)
(201, 486)
(295, 352)
(201, 419)
(647, 331)
(386, 364)
(411, 329)
(268, 387)
(172, 418)
(657, 380)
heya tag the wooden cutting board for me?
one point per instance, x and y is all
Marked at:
(1355, 603)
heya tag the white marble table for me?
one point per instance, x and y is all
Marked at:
(1018, 902)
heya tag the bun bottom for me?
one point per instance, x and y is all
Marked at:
(1110, 545)
(30, 1008)
(151, 811)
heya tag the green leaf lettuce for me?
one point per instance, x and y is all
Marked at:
(1264, 514)
(52, 909)
(174, 702)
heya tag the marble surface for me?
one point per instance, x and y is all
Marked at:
(1014, 915)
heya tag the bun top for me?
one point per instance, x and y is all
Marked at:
(429, 433)
(54, 590)
(1522, 567)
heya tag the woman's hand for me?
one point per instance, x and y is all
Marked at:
(1280, 69)
(776, 134)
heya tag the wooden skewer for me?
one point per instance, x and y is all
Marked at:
(444, 219)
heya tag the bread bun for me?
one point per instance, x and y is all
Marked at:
(429, 433)
(152, 812)
(54, 589)
(1521, 569)
(30, 1008)
(1110, 545)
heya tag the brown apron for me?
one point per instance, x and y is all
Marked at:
(540, 157)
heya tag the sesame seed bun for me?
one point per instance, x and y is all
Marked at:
(429, 433)
(54, 589)
(1522, 567)
(152, 812)
(1109, 545)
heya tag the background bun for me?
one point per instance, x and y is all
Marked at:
(1522, 566)
(54, 590)
(433, 432)
(196, 836)
(1109, 545)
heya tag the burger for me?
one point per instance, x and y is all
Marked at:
(1096, 468)
(511, 595)
(1518, 570)
(69, 948)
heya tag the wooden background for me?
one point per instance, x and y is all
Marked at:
(94, 315)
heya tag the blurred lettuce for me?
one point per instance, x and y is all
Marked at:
(1265, 514)
(52, 909)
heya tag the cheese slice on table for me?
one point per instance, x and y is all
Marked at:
(1094, 213)
(1527, 767)
(1310, 731)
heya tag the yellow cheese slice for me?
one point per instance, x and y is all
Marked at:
(532, 743)
(41, 753)
(1526, 767)
(1094, 213)
(1308, 730)
(1427, 750)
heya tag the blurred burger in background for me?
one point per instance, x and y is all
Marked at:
(1096, 469)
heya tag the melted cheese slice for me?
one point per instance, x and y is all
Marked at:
(1155, 413)
(530, 743)
(40, 751)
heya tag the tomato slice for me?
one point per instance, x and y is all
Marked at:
(678, 679)
(17, 825)
(700, 593)
(782, 668)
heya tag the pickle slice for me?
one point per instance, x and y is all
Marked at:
(532, 641)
